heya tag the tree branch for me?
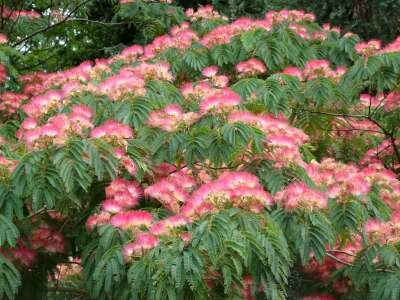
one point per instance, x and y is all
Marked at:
(342, 252)
(349, 264)
(53, 25)
(339, 260)
(96, 22)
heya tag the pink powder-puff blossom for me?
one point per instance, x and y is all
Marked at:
(299, 195)
(221, 100)
(210, 71)
(132, 219)
(143, 242)
(252, 67)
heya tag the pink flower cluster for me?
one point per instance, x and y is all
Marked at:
(282, 140)
(298, 195)
(219, 81)
(3, 73)
(314, 69)
(57, 129)
(172, 226)
(156, 71)
(121, 194)
(3, 38)
(386, 181)
(171, 118)
(223, 34)
(41, 105)
(237, 189)
(172, 190)
(321, 68)
(16, 14)
(7, 166)
(387, 102)
(196, 91)
(132, 219)
(180, 38)
(221, 100)
(206, 12)
(100, 68)
(289, 15)
(122, 85)
(48, 239)
(250, 67)
(293, 71)
(114, 132)
(380, 152)
(392, 47)
(144, 241)
(374, 47)
(345, 182)
(10, 102)
(125, 161)
(130, 54)
(340, 180)
(329, 27)
(21, 253)
(384, 232)
(210, 71)
(368, 48)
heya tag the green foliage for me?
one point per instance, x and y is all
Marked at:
(61, 184)
(10, 279)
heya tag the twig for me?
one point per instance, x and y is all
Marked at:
(357, 129)
(342, 251)
(331, 114)
(96, 22)
(339, 260)
(349, 264)
(39, 212)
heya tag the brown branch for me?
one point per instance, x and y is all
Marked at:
(349, 264)
(342, 252)
(96, 22)
(357, 129)
(53, 25)
(39, 212)
(389, 135)
(339, 260)
(331, 114)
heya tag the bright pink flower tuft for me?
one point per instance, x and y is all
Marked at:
(144, 241)
(132, 219)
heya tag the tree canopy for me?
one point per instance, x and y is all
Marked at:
(171, 153)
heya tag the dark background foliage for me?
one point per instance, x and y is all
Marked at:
(100, 28)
